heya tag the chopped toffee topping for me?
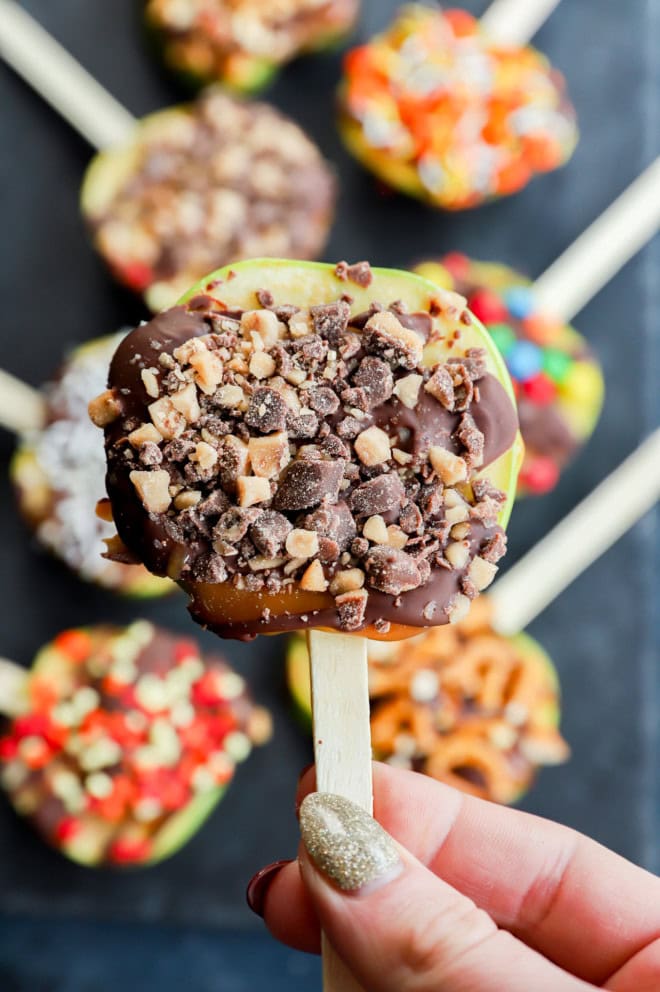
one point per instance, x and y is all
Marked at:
(242, 41)
(311, 451)
(212, 183)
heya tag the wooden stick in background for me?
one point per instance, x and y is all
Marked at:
(604, 248)
(515, 22)
(342, 743)
(60, 80)
(577, 275)
(22, 408)
(581, 537)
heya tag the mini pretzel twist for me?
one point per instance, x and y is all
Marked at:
(467, 707)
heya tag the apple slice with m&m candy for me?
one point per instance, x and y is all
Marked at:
(558, 381)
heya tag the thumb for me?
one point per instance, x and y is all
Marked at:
(398, 927)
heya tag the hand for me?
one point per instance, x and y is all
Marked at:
(468, 897)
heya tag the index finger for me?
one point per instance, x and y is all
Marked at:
(582, 906)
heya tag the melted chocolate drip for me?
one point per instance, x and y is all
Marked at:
(421, 323)
(431, 424)
(406, 609)
(142, 349)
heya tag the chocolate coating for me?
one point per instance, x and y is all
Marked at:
(430, 423)
(208, 548)
(142, 533)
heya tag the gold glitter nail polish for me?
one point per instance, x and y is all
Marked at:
(345, 843)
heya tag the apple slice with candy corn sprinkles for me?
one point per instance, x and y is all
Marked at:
(122, 741)
(454, 112)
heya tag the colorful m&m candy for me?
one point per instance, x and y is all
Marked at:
(558, 382)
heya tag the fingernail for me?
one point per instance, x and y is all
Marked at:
(345, 843)
(298, 801)
(304, 771)
(259, 885)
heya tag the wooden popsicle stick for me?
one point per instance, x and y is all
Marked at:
(13, 688)
(604, 248)
(342, 743)
(515, 22)
(22, 408)
(60, 80)
(588, 531)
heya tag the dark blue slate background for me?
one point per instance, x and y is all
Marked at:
(194, 930)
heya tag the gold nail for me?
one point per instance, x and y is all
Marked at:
(345, 843)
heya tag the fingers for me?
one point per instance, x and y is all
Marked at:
(641, 973)
(396, 925)
(543, 882)
(289, 912)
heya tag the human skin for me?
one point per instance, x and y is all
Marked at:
(487, 899)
